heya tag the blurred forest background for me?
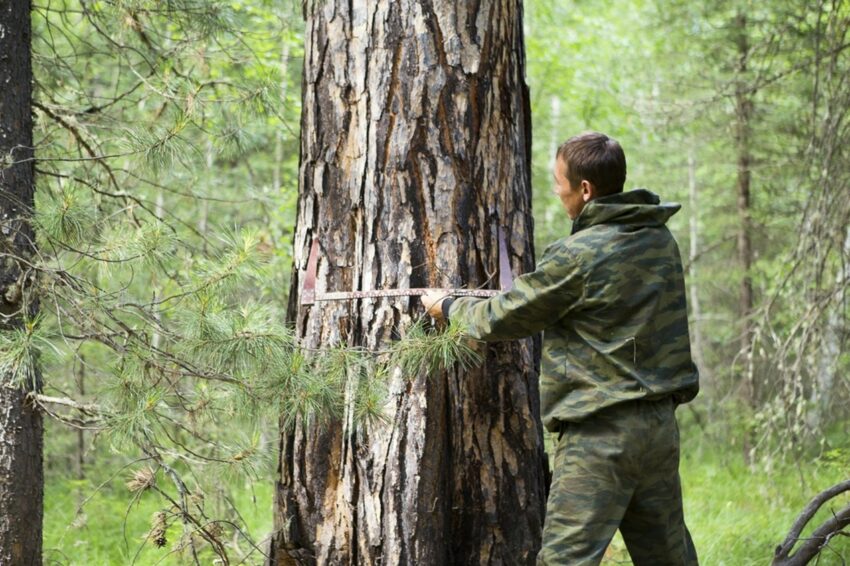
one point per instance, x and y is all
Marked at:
(167, 143)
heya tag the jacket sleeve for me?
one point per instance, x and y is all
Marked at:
(536, 300)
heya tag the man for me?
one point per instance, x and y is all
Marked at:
(610, 300)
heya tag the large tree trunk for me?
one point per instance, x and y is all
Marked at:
(415, 151)
(21, 476)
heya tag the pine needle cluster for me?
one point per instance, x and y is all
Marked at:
(67, 216)
(22, 351)
(434, 351)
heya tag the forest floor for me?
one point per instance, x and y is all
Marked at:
(736, 513)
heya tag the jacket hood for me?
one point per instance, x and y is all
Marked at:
(639, 207)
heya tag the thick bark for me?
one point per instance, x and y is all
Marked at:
(21, 475)
(415, 151)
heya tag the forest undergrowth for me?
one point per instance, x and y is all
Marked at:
(737, 512)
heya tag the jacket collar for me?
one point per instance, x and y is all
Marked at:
(639, 207)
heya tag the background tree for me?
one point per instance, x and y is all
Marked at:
(415, 153)
(21, 428)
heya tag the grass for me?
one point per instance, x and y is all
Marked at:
(736, 513)
(111, 528)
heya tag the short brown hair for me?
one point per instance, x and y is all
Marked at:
(596, 158)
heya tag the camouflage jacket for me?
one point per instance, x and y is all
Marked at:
(610, 300)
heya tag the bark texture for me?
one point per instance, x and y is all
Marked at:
(415, 150)
(21, 477)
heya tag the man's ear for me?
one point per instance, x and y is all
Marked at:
(588, 190)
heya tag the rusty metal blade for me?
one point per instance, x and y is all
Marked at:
(377, 293)
(309, 295)
(308, 290)
(506, 278)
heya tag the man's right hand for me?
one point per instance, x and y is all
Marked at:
(433, 302)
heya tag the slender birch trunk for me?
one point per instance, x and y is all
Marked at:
(830, 349)
(693, 253)
(743, 131)
(278, 142)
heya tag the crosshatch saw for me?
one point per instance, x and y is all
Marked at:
(309, 295)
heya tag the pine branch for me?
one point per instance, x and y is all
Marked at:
(88, 409)
(821, 536)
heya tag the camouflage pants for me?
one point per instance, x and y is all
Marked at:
(618, 469)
